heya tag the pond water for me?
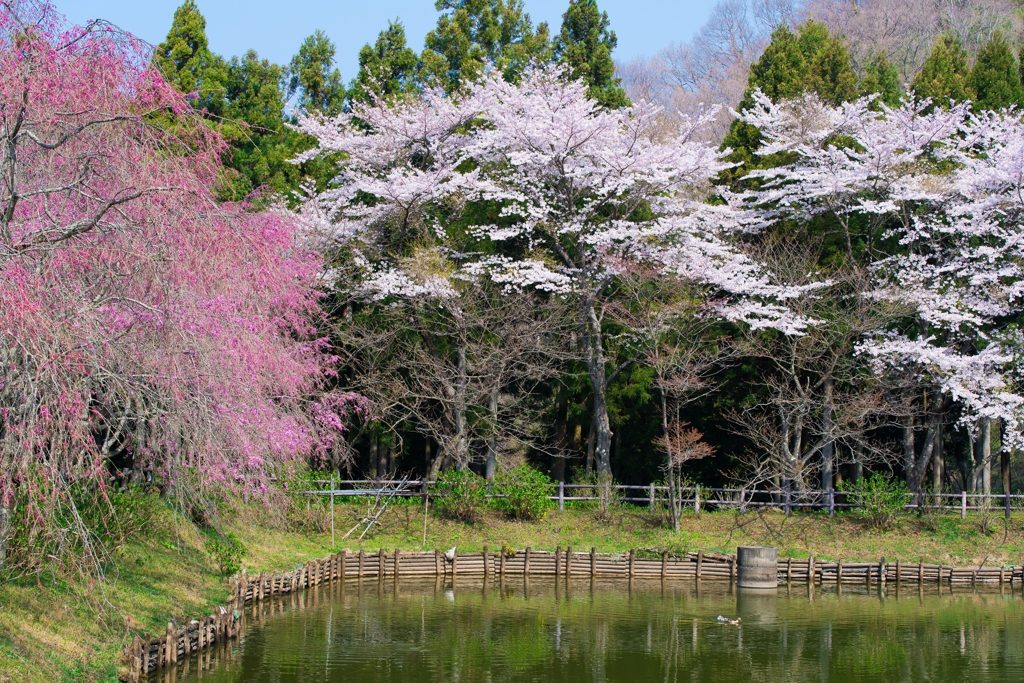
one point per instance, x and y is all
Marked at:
(615, 630)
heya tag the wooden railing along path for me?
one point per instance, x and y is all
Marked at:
(145, 654)
(703, 497)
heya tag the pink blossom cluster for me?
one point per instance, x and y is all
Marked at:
(142, 324)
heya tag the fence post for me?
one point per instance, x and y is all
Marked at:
(650, 500)
(696, 501)
(561, 495)
(831, 502)
(963, 505)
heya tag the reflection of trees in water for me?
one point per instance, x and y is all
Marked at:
(613, 634)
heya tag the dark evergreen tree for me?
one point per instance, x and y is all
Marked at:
(994, 82)
(474, 33)
(943, 76)
(185, 60)
(792, 64)
(314, 78)
(261, 145)
(881, 78)
(386, 68)
(585, 46)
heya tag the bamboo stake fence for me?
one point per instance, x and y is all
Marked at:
(145, 654)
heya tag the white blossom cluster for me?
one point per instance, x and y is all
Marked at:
(945, 187)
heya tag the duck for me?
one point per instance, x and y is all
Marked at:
(727, 620)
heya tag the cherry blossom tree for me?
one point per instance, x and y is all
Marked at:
(929, 203)
(534, 186)
(146, 330)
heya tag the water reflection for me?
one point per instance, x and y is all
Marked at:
(597, 631)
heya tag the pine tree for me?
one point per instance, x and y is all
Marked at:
(882, 78)
(943, 76)
(994, 82)
(811, 60)
(185, 60)
(386, 68)
(831, 75)
(585, 46)
(261, 145)
(314, 78)
(474, 33)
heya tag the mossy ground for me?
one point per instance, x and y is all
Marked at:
(60, 631)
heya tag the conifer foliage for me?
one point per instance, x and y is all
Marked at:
(585, 46)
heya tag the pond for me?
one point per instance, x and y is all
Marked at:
(618, 630)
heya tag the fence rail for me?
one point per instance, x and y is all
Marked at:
(701, 497)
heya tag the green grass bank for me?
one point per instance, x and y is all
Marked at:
(67, 631)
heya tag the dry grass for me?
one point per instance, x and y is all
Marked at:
(61, 632)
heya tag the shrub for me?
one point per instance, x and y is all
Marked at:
(524, 492)
(226, 551)
(881, 498)
(459, 495)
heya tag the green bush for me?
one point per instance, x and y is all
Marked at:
(226, 551)
(524, 492)
(459, 494)
(880, 497)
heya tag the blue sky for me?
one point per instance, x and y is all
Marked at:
(275, 28)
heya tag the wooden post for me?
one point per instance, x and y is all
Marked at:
(810, 569)
(593, 561)
(650, 500)
(920, 571)
(501, 563)
(437, 562)
(526, 562)
(700, 562)
(397, 561)
(561, 495)
(963, 505)
(172, 644)
(344, 556)
(631, 556)
(696, 501)
(486, 568)
(881, 571)
(362, 556)
(839, 571)
(146, 643)
(380, 563)
(558, 560)
(789, 570)
(568, 561)
(187, 641)
(664, 563)
(899, 573)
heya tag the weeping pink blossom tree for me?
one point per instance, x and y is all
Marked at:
(931, 201)
(145, 330)
(533, 185)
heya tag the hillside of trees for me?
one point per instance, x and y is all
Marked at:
(784, 254)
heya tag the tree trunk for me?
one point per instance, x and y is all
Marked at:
(910, 458)
(937, 465)
(669, 465)
(828, 450)
(593, 346)
(982, 471)
(374, 448)
(561, 442)
(492, 442)
(461, 445)
(590, 449)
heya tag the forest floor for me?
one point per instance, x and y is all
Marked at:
(67, 631)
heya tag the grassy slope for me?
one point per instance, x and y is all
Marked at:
(72, 633)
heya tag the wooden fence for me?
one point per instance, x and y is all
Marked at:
(145, 654)
(704, 497)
